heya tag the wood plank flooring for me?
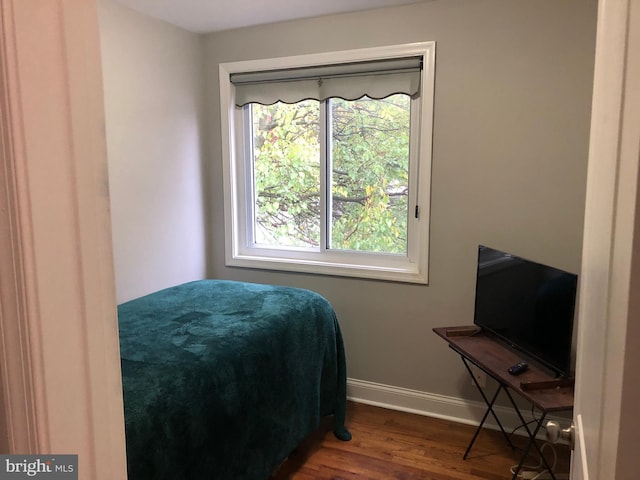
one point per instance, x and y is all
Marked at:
(388, 444)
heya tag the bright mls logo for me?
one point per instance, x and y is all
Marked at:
(51, 467)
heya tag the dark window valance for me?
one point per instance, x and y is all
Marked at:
(350, 81)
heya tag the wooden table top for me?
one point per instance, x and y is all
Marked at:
(537, 384)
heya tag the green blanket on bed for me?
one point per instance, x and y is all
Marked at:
(223, 379)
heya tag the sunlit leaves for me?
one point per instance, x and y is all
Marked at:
(369, 151)
(287, 173)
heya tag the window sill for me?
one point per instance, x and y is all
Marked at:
(404, 272)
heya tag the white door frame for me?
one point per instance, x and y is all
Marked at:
(608, 347)
(60, 363)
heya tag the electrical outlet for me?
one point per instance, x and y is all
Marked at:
(479, 375)
(529, 475)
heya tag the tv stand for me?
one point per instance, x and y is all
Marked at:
(536, 384)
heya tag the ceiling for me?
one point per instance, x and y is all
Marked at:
(203, 16)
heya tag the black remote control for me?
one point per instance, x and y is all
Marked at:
(518, 368)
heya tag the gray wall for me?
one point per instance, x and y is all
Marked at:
(154, 105)
(511, 126)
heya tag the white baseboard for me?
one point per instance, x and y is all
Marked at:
(433, 405)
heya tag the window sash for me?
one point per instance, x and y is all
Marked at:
(350, 81)
(245, 137)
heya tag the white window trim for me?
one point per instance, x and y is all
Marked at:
(394, 268)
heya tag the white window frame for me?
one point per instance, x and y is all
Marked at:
(412, 268)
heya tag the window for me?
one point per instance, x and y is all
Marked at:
(327, 162)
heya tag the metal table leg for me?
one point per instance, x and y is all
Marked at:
(532, 440)
(486, 413)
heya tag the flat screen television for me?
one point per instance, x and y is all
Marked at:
(528, 305)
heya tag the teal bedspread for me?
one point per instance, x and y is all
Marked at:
(222, 380)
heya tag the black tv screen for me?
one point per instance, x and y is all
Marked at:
(528, 305)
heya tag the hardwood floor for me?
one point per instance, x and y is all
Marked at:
(395, 445)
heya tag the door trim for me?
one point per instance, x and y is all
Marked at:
(59, 320)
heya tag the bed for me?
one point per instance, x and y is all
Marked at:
(223, 379)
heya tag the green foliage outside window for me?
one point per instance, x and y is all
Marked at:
(368, 166)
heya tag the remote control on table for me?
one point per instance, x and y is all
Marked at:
(518, 368)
